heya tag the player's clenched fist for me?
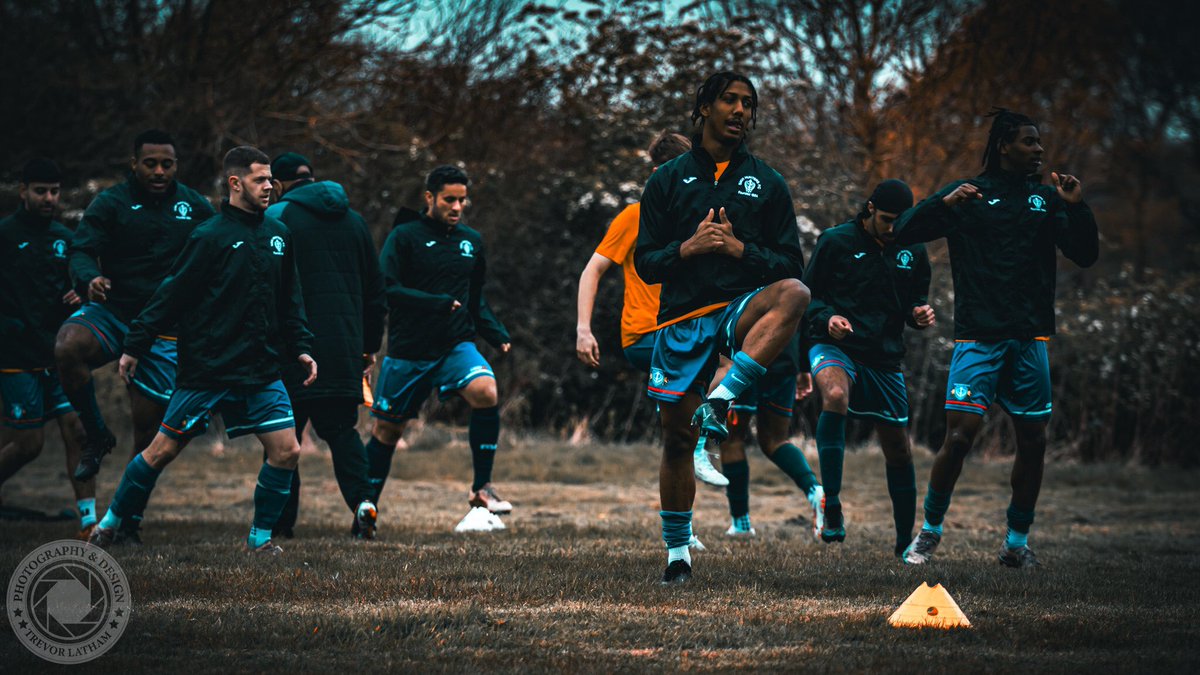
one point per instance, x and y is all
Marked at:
(839, 327)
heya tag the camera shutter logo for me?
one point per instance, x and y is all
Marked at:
(68, 602)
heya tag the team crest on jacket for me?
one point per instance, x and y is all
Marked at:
(466, 249)
(749, 186)
(904, 259)
(277, 245)
(183, 210)
(1037, 203)
(60, 248)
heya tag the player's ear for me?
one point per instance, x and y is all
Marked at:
(429, 199)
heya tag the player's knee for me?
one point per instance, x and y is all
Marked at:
(28, 444)
(287, 456)
(679, 440)
(793, 297)
(770, 443)
(482, 393)
(386, 432)
(959, 441)
(835, 399)
(69, 347)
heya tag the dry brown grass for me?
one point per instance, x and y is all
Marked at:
(572, 584)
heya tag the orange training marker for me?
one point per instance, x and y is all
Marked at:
(368, 400)
(929, 608)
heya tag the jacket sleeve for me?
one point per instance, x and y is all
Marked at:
(374, 300)
(392, 260)
(919, 290)
(1076, 233)
(486, 323)
(89, 240)
(781, 257)
(930, 219)
(816, 277)
(174, 297)
(292, 319)
(657, 255)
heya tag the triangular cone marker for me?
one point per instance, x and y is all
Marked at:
(929, 607)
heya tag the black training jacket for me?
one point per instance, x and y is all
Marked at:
(1002, 252)
(33, 276)
(874, 287)
(426, 267)
(234, 294)
(342, 287)
(132, 237)
(678, 196)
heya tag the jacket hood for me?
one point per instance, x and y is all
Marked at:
(324, 198)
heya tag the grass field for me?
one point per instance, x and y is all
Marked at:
(573, 583)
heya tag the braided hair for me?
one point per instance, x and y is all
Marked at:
(715, 85)
(1005, 124)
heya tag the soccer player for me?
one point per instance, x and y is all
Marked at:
(639, 313)
(345, 306)
(1002, 228)
(37, 297)
(234, 294)
(121, 251)
(718, 231)
(865, 288)
(433, 270)
(771, 402)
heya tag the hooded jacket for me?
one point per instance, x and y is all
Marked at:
(426, 267)
(234, 294)
(1002, 252)
(341, 284)
(875, 287)
(33, 274)
(677, 198)
(132, 236)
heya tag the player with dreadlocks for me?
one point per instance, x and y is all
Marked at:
(718, 231)
(1002, 228)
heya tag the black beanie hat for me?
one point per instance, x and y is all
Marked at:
(892, 196)
(40, 170)
(284, 167)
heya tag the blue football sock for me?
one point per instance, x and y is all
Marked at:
(738, 379)
(738, 490)
(483, 433)
(831, 447)
(742, 523)
(270, 496)
(134, 490)
(791, 460)
(902, 488)
(379, 463)
(1019, 522)
(87, 511)
(677, 529)
(930, 527)
(936, 505)
(110, 521)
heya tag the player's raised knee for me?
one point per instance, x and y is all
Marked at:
(793, 296)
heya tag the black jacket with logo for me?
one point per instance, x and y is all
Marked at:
(1002, 252)
(33, 274)
(132, 237)
(341, 283)
(234, 293)
(426, 267)
(874, 287)
(677, 198)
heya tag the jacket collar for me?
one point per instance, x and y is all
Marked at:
(30, 219)
(142, 195)
(867, 236)
(244, 217)
(1011, 177)
(437, 227)
(705, 160)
